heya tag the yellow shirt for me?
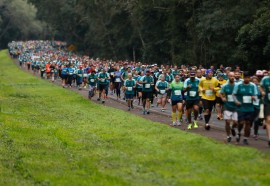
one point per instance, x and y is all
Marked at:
(220, 82)
(208, 85)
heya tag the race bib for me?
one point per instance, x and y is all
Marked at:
(118, 80)
(102, 80)
(112, 73)
(177, 92)
(256, 102)
(129, 88)
(230, 98)
(92, 80)
(147, 85)
(247, 99)
(208, 92)
(192, 93)
(162, 91)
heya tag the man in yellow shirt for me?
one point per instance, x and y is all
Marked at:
(208, 87)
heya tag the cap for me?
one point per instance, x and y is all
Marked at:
(220, 75)
(259, 73)
(208, 71)
(147, 71)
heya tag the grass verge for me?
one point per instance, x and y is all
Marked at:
(52, 136)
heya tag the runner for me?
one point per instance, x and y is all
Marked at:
(129, 86)
(244, 94)
(148, 82)
(79, 77)
(265, 91)
(192, 98)
(162, 87)
(92, 81)
(219, 102)
(208, 86)
(117, 82)
(230, 113)
(177, 88)
(64, 75)
(102, 81)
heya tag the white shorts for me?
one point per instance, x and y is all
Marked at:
(229, 115)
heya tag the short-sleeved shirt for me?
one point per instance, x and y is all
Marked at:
(207, 85)
(243, 93)
(193, 92)
(227, 89)
(129, 84)
(177, 90)
(162, 85)
(265, 83)
(92, 79)
(147, 87)
(103, 77)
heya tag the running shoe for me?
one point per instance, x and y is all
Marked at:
(245, 142)
(229, 139)
(148, 112)
(268, 142)
(189, 126)
(195, 124)
(144, 112)
(218, 117)
(103, 102)
(162, 110)
(178, 123)
(174, 124)
(200, 117)
(207, 126)
(186, 121)
(128, 108)
(132, 106)
(98, 99)
(233, 132)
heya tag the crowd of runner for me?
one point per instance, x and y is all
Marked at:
(241, 99)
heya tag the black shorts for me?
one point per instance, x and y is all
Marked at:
(176, 102)
(219, 101)
(191, 103)
(102, 87)
(208, 104)
(147, 95)
(266, 110)
(245, 116)
(139, 89)
(129, 96)
(64, 76)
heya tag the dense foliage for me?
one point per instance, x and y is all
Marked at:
(165, 31)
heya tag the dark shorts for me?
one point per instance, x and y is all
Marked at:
(129, 96)
(102, 87)
(208, 104)
(191, 103)
(147, 95)
(266, 110)
(245, 116)
(64, 76)
(139, 89)
(176, 102)
(219, 101)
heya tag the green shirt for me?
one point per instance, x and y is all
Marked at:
(162, 85)
(227, 89)
(243, 94)
(265, 83)
(193, 92)
(177, 90)
(148, 86)
(92, 79)
(130, 84)
(103, 78)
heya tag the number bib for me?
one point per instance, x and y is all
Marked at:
(92, 80)
(118, 80)
(147, 85)
(177, 92)
(129, 88)
(208, 92)
(247, 99)
(162, 91)
(230, 98)
(192, 93)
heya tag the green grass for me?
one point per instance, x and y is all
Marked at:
(52, 136)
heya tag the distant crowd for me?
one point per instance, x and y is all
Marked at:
(241, 99)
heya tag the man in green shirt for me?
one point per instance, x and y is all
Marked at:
(230, 113)
(147, 91)
(244, 94)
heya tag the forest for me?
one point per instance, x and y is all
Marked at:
(176, 32)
